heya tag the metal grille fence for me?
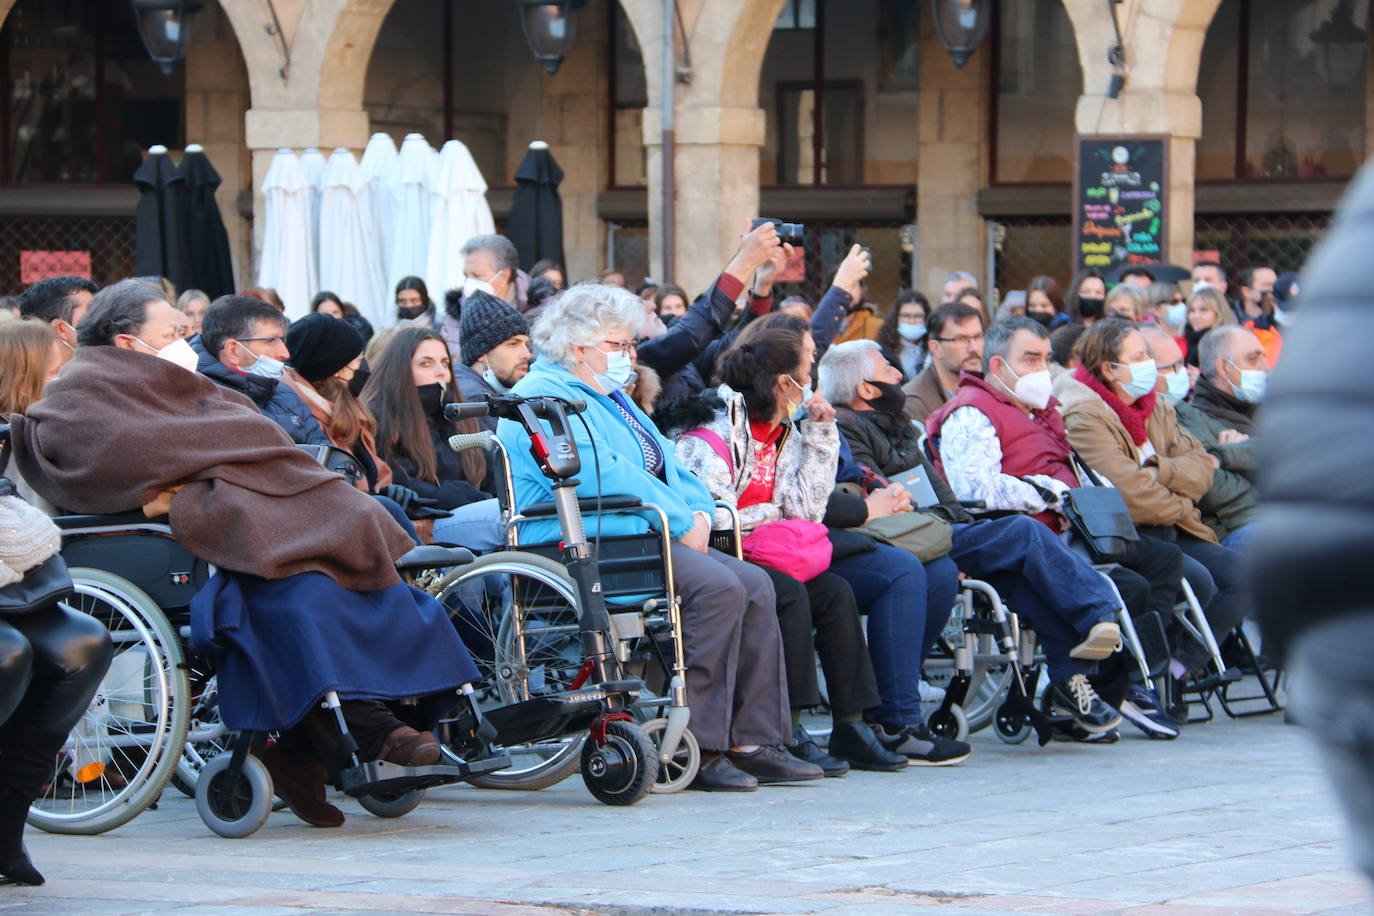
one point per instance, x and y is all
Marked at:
(109, 239)
(1026, 247)
(1279, 240)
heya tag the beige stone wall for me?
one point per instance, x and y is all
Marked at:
(953, 164)
(216, 100)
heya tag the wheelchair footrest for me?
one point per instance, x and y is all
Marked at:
(542, 718)
(379, 777)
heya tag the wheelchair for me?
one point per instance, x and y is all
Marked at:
(520, 612)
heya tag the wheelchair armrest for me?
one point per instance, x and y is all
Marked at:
(973, 504)
(586, 506)
(431, 557)
(131, 519)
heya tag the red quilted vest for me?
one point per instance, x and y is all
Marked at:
(1031, 444)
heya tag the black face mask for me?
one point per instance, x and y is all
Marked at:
(408, 314)
(1043, 317)
(432, 399)
(1091, 308)
(359, 379)
(892, 400)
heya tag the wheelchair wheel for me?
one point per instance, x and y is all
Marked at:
(676, 774)
(206, 738)
(624, 769)
(519, 617)
(238, 810)
(127, 745)
(1012, 727)
(949, 723)
(392, 805)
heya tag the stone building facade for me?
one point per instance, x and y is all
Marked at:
(850, 117)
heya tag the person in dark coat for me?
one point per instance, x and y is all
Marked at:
(242, 347)
(495, 350)
(1234, 377)
(410, 383)
(1314, 584)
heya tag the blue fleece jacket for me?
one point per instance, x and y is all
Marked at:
(606, 440)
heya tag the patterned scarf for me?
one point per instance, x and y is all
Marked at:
(1132, 416)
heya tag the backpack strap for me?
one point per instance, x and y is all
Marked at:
(713, 439)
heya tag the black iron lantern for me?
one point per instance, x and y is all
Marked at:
(1342, 43)
(165, 27)
(961, 25)
(549, 29)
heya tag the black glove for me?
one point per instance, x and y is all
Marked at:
(404, 497)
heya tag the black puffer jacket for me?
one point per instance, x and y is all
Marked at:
(1316, 434)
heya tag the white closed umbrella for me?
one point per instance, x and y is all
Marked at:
(350, 262)
(378, 160)
(411, 177)
(460, 211)
(288, 251)
(314, 165)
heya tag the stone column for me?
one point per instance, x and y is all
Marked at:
(952, 163)
(1163, 49)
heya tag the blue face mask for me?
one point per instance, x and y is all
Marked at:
(1176, 314)
(799, 412)
(1144, 374)
(264, 366)
(1252, 384)
(911, 332)
(619, 371)
(1178, 385)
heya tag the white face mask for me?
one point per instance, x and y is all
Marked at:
(911, 332)
(178, 352)
(472, 285)
(1033, 389)
(1178, 385)
(264, 366)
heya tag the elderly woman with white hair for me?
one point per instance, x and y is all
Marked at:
(735, 681)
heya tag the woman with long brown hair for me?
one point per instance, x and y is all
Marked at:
(30, 357)
(411, 382)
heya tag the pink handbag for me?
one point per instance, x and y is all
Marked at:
(794, 546)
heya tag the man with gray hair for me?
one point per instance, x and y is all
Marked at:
(1069, 604)
(1234, 375)
(491, 264)
(956, 281)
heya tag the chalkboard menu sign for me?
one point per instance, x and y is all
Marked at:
(1118, 201)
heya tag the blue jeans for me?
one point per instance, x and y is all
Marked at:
(1239, 540)
(398, 515)
(476, 526)
(1041, 578)
(907, 604)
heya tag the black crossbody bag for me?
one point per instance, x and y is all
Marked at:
(1099, 516)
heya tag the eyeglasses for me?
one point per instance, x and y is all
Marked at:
(962, 341)
(619, 346)
(270, 340)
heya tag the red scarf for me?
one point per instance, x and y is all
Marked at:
(1133, 416)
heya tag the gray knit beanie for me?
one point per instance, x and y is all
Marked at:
(487, 322)
(27, 539)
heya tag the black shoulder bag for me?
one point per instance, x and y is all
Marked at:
(1099, 516)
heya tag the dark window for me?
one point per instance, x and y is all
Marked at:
(1039, 81)
(82, 98)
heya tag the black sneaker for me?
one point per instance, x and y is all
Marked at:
(922, 746)
(804, 747)
(774, 764)
(1141, 708)
(1074, 732)
(856, 743)
(1076, 697)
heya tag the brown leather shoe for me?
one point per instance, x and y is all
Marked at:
(300, 783)
(408, 748)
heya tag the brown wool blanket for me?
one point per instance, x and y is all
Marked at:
(119, 427)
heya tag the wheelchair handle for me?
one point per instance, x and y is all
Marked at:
(464, 441)
(507, 407)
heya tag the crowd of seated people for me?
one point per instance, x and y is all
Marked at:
(798, 414)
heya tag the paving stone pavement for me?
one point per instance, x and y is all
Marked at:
(1233, 818)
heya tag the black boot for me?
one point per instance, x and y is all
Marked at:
(15, 866)
(27, 759)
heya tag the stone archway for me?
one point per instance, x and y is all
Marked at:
(1160, 94)
(719, 129)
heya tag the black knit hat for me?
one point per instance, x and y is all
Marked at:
(487, 323)
(321, 345)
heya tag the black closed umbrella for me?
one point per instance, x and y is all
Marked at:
(535, 224)
(159, 221)
(207, 242)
